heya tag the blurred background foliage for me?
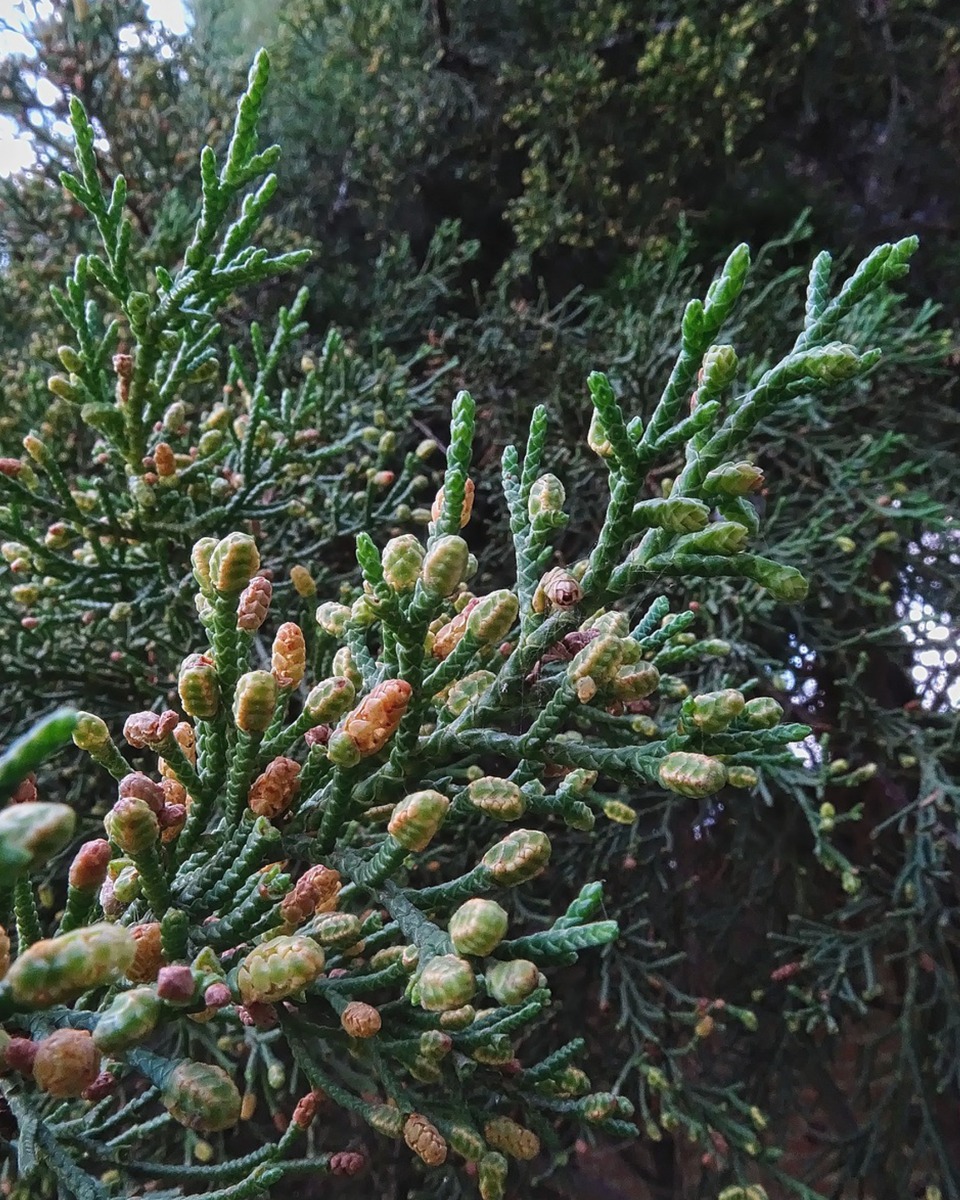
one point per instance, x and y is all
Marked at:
(504, 196)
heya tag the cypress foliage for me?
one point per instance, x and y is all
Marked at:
(774, 808)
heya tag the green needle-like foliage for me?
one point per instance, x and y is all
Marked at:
(278, 868)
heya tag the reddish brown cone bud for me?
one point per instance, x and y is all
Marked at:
(289, 656)
(425, 1140)
(147, 729)
(306, 1110)
(217, 995)
(272, 792)
(376, 717)
(347, 1162)
(138, 786)
(254, 604)
(66, 1063)
(102, 1086)
(176, 984)
(89, 867)
(360, 1020)
(20, 1055)
(148, 956)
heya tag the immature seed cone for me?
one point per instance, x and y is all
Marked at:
(492, 1176)
(329, 699)
(497, 1052)
(402, 559)
(456, 1019)
(695, 775)
(465, 691)
(126, 886)
(148, 956)
(26, 791)
(177, 984)
(18, 1054)
(254, 701)
(303, 582)
(279, 968)
(306, 1110)
(742, 777)
(782, 582)
(734, 479)
(172, 818)
(90, 733)
(202, 1097)
(511, 982)
(198, 687)
(718, 369)
(435, 1044)
(492, 618)
(4, 952)
(104, 1084)
(132, 825)
(478, 927)
(336, 929)
(445, 565)
(515, 1140)
(633, 682)
(499, 798)
(360, 1020)
(363, 612)
(603, 1105)
(131, 1017)
(66, 1063)
(289, 659)
(254, 604)
(186, 738)
(173, 793)
(466, 1142)
(273, 791)
(446, 982)
(547, 495)
(425, 1140)
(763, 712)
(32, 833)
(570, 1081)
(616, 810)
(520, 856)
(332, 618)
(599, 660)
(58, 969)
(233, 561)
(416, 819)
(597, 439)
(712, 712)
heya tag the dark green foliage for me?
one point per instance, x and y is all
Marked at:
(269, 883)
(563, 135)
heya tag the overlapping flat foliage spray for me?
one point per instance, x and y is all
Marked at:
(263, 873)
